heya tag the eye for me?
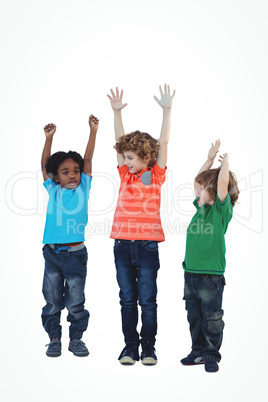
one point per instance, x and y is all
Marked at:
(66, 173)
(77, 171)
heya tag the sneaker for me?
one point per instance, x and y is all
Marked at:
(192, 360)
(148, 356)
(211, 366)
(129, 355)
(78, 347)
(54, 348)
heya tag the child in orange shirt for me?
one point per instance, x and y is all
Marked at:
(137, 227)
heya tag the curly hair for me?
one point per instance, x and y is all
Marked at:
(56, 159)
(140, 143)
(209, 179)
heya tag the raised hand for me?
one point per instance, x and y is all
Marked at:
(223, 159)
(93, 122)
(116, 100)
(166, 99)
(214, 150)
(50, 130)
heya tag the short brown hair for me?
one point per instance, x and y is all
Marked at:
(140, 143)
(209, 179)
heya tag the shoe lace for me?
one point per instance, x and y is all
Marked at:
(53, 342)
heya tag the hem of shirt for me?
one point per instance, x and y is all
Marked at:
(63, 242)
(224, 201)
(127, 238)
(204, 272)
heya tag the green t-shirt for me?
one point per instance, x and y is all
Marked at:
(205, 244)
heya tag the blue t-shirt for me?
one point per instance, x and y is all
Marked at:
(67, 212)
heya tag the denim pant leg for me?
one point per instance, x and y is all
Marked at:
(210, 293)
(194, 315)
(53, 291)
(75, 271)
(203, 296)
(126, 274)
(148, 265)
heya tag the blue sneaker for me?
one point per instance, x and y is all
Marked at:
(129, 355)
(192, 360)
(78, 348)
(54, 348)
(211, 366)
(148, 357)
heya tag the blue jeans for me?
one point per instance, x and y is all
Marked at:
(203, 298)
(63, 286)
(137, 263)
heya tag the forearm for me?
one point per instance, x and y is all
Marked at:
(118, 124)
(165, 129)
(90, 146)
(46, 152)
(206, 166)
(224, 173)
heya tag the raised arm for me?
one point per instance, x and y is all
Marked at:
(223, 178)
(94, 125)
(166, 103)
(49, 130)
(117, 106)
(211, 156)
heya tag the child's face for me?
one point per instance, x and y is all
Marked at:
(69, 174)
(204, 197)
(134, 163)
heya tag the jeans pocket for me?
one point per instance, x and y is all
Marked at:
(215, 322)
(151, 245)
(82, 256)
(212, 282)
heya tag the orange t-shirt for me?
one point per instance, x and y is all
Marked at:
(137, 215)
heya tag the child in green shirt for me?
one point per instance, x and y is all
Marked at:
(204, 264)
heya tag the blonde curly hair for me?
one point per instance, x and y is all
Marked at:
(140, 143)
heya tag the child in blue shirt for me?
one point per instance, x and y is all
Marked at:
(67, 178)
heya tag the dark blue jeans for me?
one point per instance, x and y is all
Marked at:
(63, 286)
(137, 263)
(203, 297)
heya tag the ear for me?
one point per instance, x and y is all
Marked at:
(147, 158)
(56, 178)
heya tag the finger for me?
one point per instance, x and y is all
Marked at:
(112, 92)
(124, 105)
(168, 88)
(121, 94)
(117, 92)
(157, 100)
(109, 97)
(173, 93)
(161, 92)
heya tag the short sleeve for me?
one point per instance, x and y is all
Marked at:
(224, 208)
(49, 184)
(160, 173)
(122, 170)
(85, 182)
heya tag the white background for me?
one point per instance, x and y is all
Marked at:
(58, 61)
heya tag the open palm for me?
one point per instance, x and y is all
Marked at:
(166, 99)
(116, 100)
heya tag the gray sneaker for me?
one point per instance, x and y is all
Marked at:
(54, 348)
(78, 348)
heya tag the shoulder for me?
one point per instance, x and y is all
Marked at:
(85, 181)
(224, 207)
(49, 184)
